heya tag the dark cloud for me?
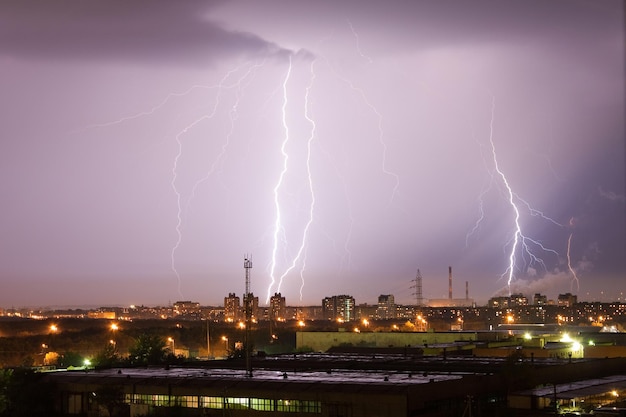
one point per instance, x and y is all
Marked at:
(154, 31)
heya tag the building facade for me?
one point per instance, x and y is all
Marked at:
(339, 307)
(386, 307)
(278, 308)
(232, 307)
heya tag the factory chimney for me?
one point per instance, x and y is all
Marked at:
(450, 282)
(466, 290)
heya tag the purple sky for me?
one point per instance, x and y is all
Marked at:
(146, 146)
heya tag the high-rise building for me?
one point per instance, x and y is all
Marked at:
(339, 307)
(540, 299)
(186, 307)
(386, 307)
(254, 306)
(278, 307)
(232, 307)
(514, 300)
(567, 300)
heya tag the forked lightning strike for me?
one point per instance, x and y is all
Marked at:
(278, 225)
(519, 241)
(302, 248)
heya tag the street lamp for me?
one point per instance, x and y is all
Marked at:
(114, 327)
(225, 339)
(53, 328)
(171, 340)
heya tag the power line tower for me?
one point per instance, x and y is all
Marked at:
(247, 264)
(419, 299)
(420, 320)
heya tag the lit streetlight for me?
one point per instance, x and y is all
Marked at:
(171, 340)
(225, 340)
(114, 327)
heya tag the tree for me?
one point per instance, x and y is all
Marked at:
(107, 357)
(25, 394)
(148, 350)
(71, 359)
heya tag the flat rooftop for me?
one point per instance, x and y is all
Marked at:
(331, 376)
(579, 389)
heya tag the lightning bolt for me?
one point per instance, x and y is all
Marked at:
(278, 227)
(358, 43)
(381, 136)
(481, 211)
(305, 232)
(221, 86)
(519, 241)
(569, 258)
(232, 115)
(249, 71)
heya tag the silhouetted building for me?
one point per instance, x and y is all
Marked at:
(254, 305)
(278, 307)
(186, 307)
(232, 307)
(567, 300)
(540, 300)
(339, 307)
(514, 300)
(386, 307)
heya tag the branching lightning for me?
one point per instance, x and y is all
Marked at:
(232, 114)
(179, 217)
(518, 241)
(239, 78)
(381, 137)
(278, 226)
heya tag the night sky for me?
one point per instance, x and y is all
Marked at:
(147, 146)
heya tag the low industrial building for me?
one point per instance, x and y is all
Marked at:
(204, 392)
(367, 384)
(584, 396)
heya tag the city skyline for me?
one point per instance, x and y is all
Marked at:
(147, 147)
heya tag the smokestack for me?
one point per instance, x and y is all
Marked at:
(450, 282)
(466, 290)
